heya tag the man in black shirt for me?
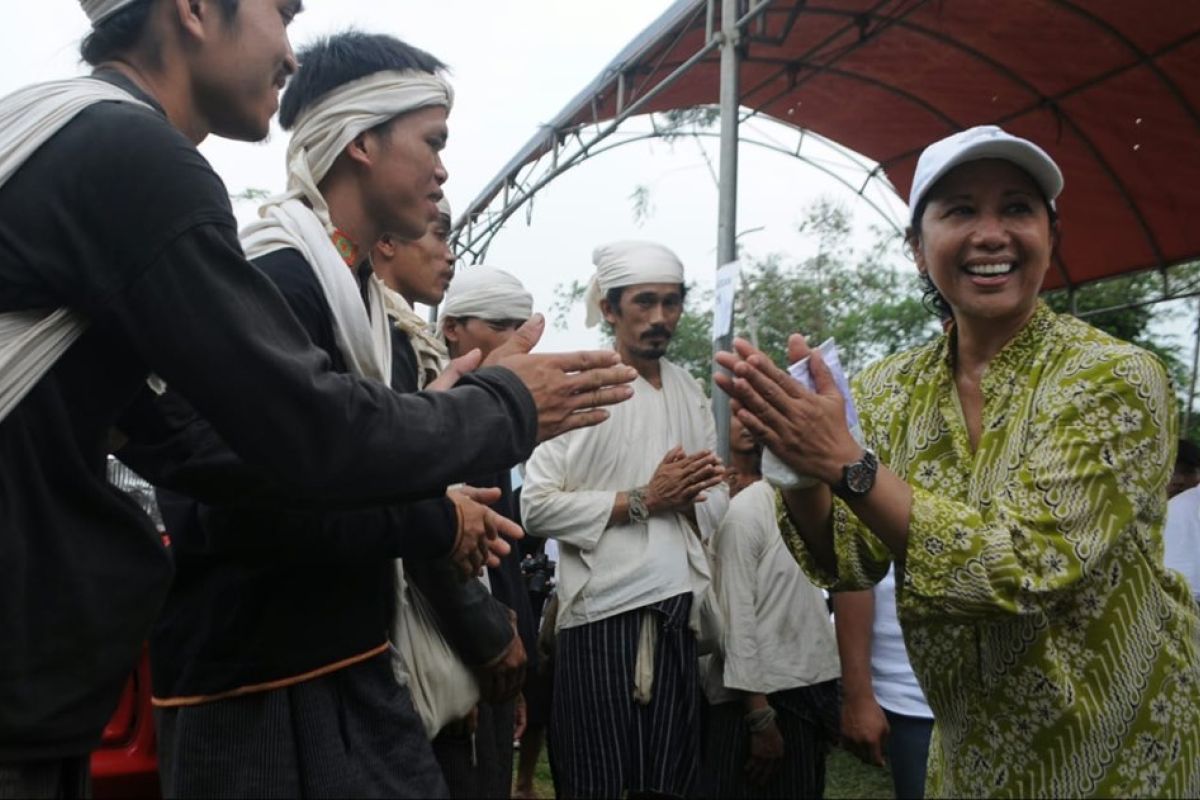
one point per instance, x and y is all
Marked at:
(118, 217)
(298, 645)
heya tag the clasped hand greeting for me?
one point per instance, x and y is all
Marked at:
(680, 480)
(806, 430)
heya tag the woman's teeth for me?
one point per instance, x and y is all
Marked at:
(988, 270)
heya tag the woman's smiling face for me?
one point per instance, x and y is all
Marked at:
(985, 239)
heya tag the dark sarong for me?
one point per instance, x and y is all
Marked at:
(807, 719)
(352, 733)
(479, 764)
(603, 741)
(57, 779)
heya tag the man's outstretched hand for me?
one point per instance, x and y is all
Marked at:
(570, 390)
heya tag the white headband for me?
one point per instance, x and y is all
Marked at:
(444, 208)
(99, 10)
(323, 131)
(487, 293)
(628, 264)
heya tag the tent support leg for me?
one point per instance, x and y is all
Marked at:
(727, 202)
(1187, 410)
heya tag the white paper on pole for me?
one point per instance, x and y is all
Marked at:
(727, 284)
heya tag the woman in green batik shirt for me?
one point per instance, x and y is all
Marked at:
(1015, 470)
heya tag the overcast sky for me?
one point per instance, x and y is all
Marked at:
(515, 64)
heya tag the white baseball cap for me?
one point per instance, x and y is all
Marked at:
(980, 142)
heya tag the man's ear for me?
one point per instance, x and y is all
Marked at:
(611, 315)
(450, 329)
(386, 246)
(361, 149)
(191, 15)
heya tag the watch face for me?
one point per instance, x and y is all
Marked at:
(860, 477)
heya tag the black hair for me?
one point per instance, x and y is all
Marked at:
(1188, 456)
(123, 30)
(336, 60)
(931, 298)
(613, 296)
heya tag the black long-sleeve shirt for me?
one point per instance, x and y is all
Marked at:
(268, 593)
(120, 217)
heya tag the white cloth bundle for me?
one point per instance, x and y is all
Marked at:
(322, 132)
(432, 356)
(627, 264)
(487, 293)
(99, 10)
(32, 341)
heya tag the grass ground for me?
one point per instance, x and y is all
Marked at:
(846, 777)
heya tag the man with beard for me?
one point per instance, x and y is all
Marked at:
(630, 502)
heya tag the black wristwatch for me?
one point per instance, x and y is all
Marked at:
(859, 477)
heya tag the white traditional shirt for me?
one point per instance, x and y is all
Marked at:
(895, 684)
(777, 630)
(1181, 537)
(572, 481)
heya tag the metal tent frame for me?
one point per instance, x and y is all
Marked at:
(1111, 89)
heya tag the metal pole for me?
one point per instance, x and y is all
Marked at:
(1187, 411)
(727, 202)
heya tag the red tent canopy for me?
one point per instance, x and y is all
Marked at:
(1110, 88)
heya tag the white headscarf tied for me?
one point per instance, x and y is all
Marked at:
(99, 10)
(322, 132)
(487, 293)
(628, 264)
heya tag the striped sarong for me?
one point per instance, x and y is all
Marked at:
(604, 743)
(807, 720)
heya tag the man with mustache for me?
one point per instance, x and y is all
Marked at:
(631, 503)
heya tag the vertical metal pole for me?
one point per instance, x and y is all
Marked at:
(727, 202)
(1187, 410)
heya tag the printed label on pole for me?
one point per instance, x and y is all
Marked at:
(727, 284)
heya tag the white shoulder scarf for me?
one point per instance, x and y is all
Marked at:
(364, 340)
(32, 341)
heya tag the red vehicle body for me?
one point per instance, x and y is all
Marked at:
(126, 762)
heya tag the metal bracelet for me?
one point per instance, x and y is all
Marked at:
(638, 512)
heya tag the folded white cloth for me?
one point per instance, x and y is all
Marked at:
(628, 264)
(487, 293)
(322, 132)
(99, 10)
(32, 341)
(432, 356)
(362, 339)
